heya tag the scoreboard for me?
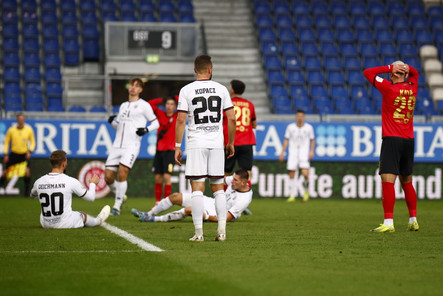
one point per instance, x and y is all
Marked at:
(161, 39)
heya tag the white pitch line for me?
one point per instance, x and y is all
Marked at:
(132, 238)
(73, 251)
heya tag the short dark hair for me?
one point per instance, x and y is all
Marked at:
(57, 157)
(136, 81)
(300, 111)
(242, 173)
(202, 62)
(238, 86)
(165, 99)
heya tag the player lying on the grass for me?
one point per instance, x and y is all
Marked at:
(238, 196)
(54, 191)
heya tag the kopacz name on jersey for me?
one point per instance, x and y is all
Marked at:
(205, 90)
(51, 186)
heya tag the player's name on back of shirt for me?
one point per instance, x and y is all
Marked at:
(51, 186)
(205, 90)
(243, 104)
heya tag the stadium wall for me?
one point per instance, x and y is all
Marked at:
(345, 165)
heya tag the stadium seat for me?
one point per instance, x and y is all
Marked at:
(186, 6)
(332, 63)
(29, 15)
(323, 105)
(10, 30)
(147, 16)
(11, 4)
(416, 9)
(322, 21)
(348, 49)
(357, 8)
(11, 73)
(267, 34)
(11, 59)
(300, 8)
(70, 31)
(368, 49)
(91, 49)
(32, 74)
(325, 34)
(355, 77)
(423, 37)
(298, 91)
(370, 62)
(403, 35)
(309, 48)
(12, 88)
(315, 77)
(52, 59)
(264, 20)
(90, 31)
(77, 108)
(33, 89)
(30, 30)
(329, 49)
(344, 35)
(129, 16)
(352, 62)
(396, 9)
(50, 30)
(408, 49)
(399, 22)
(286, 34)
(380, 22)
(98, 109)
(53, 75)
(360, 22)
(272, 62)
(147, 6)
(13, 100)
(387, 48)
(69, 17)
(283, 20)
(302, 102)
(275, 76)
(359, 92)
(49, 17)
(165, 6)
(289, 47)
(277, 90)
(345, 110)
(89, 17)
(419, 22)
(269, 48)
(341, 103)
(9, 15)
(376, 8)
(342, 21)
(318, 91)
(303, 21)
(364, 35)
(312, 63)
(51, 45)
(295, 77)
(109, 16)
(54, 89)
(186, 17)
(292, 62)
(384, 35)
(319, 8)
(11, 44)
(336, 77)
(339, 92)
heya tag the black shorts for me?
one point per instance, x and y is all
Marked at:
(243, 155)
(164, 162)
(16, 158)
(397, 156)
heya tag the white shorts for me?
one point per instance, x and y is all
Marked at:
(208, 203)
(298, 159)
(124, 156)
(205, 163)
(69, 220)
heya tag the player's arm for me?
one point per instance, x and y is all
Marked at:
(283, 149)
(7, 141)
(89, 195)
(153, 122)
(311, 152)
(179, 132)
(31, 140)
(230, 115)
(371, 73)
(413, 75)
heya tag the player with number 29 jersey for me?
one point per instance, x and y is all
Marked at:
(398, 101)
(204, 101)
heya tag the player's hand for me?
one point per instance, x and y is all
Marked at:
(94, 179)
(400, 69)
(141, 131)
(281, 158)
(230, 150)
(111, 118)
(178, 156)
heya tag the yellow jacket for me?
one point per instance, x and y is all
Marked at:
(19, 139)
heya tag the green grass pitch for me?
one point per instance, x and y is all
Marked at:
(323, 247)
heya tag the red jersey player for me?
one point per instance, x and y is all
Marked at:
(164, 156)
(246, 121)
(397, 150)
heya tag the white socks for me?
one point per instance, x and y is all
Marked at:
(197, 212)
(91, 221)
(292, 188)
(412, 219)
(163, 205)
(388, 222)
(220, 208)
(173, 216)
(120, 191)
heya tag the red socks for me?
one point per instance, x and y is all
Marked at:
(388, 199)
(158, 188)
(168, 190)
(411, 198)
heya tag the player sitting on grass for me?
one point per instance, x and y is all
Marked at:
(238, 195)
(54, 191)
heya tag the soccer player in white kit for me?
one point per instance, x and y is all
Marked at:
(202, 103)
(301, 139)
(130, 124)
(54, 191)
(238, 196)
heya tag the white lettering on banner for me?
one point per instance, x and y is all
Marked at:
(378, 140)
(437, 142)
(101, 139)
(43, 140)
(272, 140)
(420, 139)
(65, 137)
(362, 136)
(433, 185)
(324, 186)
(82, 136)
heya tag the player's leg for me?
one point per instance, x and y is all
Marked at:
(411, 201)
(111, 167)
(172, 216)
(168, 170)
(245, 156)
(90, 221)
(27, 180)
(196, 170)
(389, 169)
(305, 173)
(166, 203)
(216, 178)
(291, 166)
(158, 187)
(121, 186)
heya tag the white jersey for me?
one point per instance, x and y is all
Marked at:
(236, 202)
(299, 138)
(204, 101)
(54, 192)
(133, 115)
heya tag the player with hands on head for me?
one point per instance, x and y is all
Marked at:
(165, 152)
(202, 103)
(397, 149)
(54, 191)
(130, 123)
